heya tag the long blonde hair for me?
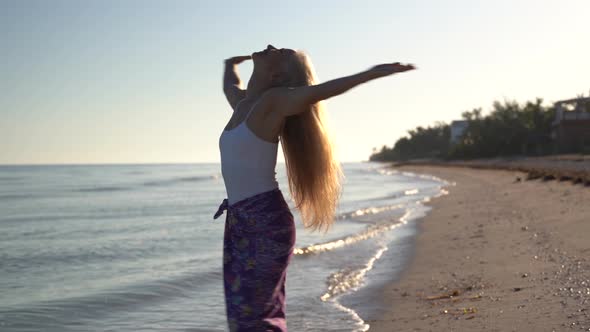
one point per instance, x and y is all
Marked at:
(313, 171)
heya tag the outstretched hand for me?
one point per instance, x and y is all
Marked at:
(389, 69)
(237, 59)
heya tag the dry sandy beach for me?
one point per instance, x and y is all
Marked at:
(496, 254)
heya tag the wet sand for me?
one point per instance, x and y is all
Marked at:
(496, 254)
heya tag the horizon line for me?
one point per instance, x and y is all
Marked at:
(139, 163)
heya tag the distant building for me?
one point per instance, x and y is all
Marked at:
(457, 129)
(571, 127)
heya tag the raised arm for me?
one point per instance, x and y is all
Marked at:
(232, 86)
(290, 101)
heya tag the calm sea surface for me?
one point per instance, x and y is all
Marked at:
(135, 248)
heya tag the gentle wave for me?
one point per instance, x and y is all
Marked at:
(102, 189)
(348, 280)
(387, 171)
(369, 232)
(152, 183)
(75, 256)
(104, 302)
(7, 197)
(49, 218)
(383, 170)
(166, 182)
(11, 178)
(368, 211)
(372, 210)
(135, 172)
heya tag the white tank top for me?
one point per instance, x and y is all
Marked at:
(247, 162)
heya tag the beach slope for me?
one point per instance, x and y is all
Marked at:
(499, 253)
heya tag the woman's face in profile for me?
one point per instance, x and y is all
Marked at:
(272, 58)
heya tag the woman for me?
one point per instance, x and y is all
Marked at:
(282, 102)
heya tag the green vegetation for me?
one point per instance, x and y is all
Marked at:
(430, 142)
(510, 129)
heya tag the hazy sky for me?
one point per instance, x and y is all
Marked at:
(140, 81)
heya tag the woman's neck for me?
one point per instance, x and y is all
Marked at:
(257, 85)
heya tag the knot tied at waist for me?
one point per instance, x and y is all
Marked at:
(264, 205)
(224, 206)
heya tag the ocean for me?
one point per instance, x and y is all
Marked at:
(134, 247)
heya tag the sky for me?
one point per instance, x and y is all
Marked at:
(141, 81)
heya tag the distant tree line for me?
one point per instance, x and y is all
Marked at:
(430, 142)
(509, 129)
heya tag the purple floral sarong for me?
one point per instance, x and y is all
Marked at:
(257, 247)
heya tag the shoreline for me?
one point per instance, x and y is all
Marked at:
(565, 167)
(497, 253)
